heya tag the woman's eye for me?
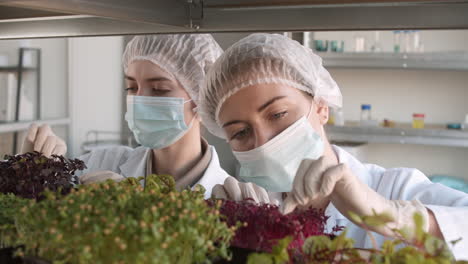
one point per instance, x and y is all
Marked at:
(241, 134)
(161, 91)
(280, 115)
(131, 89)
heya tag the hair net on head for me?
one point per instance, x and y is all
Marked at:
(187, 57)
(259, 59)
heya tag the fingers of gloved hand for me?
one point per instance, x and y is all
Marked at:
(28, 142)
(87, 176)
(32, 132)
(231, 186)
(99, 176)
(49, 146)
(313, 178)
(298, 190)
(43, 132)
(27, 146)
(289, 204)
(262, 194)
(248, 191)
(60, 148)
(274, 198)
(330, 177)
(218, 192)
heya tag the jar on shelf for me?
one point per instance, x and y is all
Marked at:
(418, 120)
(366, 112)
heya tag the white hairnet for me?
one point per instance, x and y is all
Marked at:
(264, 58)
(186, 56)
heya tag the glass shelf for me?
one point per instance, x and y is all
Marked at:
(457, 60)
(432, 136)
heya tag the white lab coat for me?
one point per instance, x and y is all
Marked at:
(130, 162)
(449, 206)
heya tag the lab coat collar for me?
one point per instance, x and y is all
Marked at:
(135, 166)
(213, 175)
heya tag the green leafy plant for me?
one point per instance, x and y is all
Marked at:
(9, 205)
(424, 248)
(125, 223)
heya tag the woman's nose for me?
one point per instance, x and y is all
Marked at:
(262, 136)
(143, 92)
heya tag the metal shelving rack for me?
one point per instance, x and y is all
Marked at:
(21, 70)
(71, 18)
(66, 18)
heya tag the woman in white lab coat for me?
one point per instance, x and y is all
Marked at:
(163, 74)
(269, 97)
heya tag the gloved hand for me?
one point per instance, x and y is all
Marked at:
(100, 176)
(42, 139)
(235, 190)
(319, 179)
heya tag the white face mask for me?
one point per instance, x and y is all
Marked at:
(156, 122)
(273, 165)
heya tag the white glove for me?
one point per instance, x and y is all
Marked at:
(319, 179)
(42, 139)
(239, 191)
(100, 176)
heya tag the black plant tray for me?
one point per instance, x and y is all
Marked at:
(7, 257)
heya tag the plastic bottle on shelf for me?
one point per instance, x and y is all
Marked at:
(418, 120)
(415, 41)
(396, 41)
(465, 125)
(406, 41)
(376, 47)
(339, 117)
(366, 116)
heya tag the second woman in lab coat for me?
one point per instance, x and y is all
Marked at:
(268, 96)
(163, 74)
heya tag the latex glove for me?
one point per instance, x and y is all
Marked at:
(235, 190)
(42, 139)
(319, 179)
(100, 176)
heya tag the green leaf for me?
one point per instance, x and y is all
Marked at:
(256, 258)
(454, 242)
(280, 250)
(377, 220)
(316, 243)
(355, 218)
(418, 226)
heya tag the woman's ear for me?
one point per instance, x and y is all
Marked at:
(322, 111)
(195, 111)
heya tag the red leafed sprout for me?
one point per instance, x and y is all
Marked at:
(263, 224)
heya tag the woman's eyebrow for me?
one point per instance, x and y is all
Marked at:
(129, 78)
(232, 123)
(272, 100)
(157, 79)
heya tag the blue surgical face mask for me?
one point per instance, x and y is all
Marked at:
(156, 122)
(273, 165)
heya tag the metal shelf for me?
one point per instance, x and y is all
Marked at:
(434, 137)
(15, 69)
(24, 125)
(66, 18)
(440, 61)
